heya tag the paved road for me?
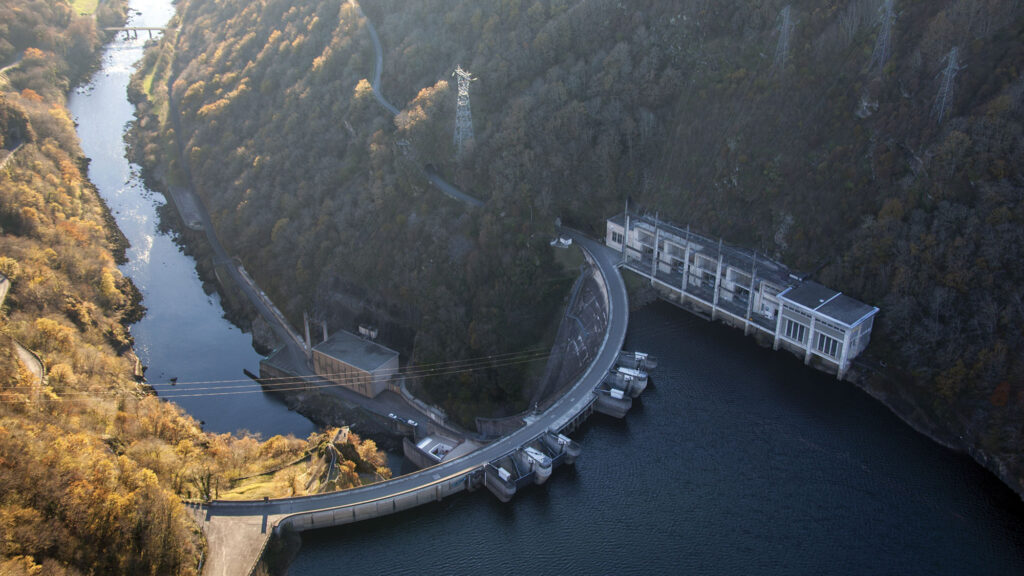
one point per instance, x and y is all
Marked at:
(10, 154)
(378, 65)
(15, 62)
(236, 532)
(558, 415)
(450, 190)
(31, 362)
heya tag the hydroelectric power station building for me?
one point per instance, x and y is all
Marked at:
(357, 363)
(745, 290)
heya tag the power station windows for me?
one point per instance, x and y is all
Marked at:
(796, 331)
(828, 346)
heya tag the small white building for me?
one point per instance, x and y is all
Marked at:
(743, 289)
(818, 321)
(357, 363)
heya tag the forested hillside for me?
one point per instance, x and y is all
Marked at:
(877, 144)
(93, 467)
(302, 175)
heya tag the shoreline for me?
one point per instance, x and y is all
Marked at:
(902, 406)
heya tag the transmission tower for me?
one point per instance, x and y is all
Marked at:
(785, 29)
(883, 43)
(945, 96)
(463, 116)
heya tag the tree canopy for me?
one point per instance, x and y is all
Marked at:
(864, 153)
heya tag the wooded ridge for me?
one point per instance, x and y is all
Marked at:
(874, 142)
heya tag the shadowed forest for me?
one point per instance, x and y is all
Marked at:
(875, 144)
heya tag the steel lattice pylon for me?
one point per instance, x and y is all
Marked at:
(463, 116)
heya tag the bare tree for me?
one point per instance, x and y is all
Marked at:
(944, 98)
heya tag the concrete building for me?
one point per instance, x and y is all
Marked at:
(743, 289)
(818, 321)
(356, 363)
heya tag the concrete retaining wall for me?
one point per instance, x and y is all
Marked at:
(579, 338)
(415, 455)
(376, 508)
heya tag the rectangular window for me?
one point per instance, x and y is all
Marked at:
(828, 346)
(617, 237)
(795, 331)
(708, 280)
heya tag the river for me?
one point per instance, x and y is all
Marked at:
(737, 459)
(184, 334)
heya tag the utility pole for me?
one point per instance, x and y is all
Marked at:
(883, 43)
(463, 116)
(944, 98)
(782, 48)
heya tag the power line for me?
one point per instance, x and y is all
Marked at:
(944, 98)
(417, 367)
(295, 383)
(883, 43)
(782, 47)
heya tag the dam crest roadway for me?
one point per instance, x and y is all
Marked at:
(237, 531)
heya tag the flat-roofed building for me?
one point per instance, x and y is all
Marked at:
(728, 283)
(357, 363)
(743, 289)
(818, 321)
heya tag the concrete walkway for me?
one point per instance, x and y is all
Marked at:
(234, 543)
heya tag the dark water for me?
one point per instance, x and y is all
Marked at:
(184, 334)
(739, 461)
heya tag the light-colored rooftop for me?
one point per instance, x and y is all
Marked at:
(364, 354)
(828, 302)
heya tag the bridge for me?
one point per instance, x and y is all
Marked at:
(133, 31)
(237, 531)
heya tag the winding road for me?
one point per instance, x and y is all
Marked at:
(378, 64)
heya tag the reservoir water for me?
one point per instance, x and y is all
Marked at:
(737, 460)
(184, 334)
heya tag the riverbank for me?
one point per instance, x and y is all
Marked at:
(192, 241)
(910, 410)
